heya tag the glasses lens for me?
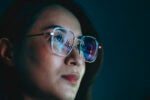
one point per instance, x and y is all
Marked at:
(62, 41)
(89, 48)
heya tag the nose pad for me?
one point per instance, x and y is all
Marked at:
(74, 58)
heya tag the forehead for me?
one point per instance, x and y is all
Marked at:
(57, 15)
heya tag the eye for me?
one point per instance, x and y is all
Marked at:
(80, 44)
(59, 37)
(83, 47)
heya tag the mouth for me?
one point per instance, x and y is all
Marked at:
(72, 78)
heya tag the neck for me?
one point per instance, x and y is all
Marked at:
(28, 97)
(25, 97)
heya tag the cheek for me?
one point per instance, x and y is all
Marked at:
(83, 70)
(41, 65)
(37, 53)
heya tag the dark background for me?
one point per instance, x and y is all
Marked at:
(124, 26)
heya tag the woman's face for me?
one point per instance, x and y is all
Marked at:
(50, 74)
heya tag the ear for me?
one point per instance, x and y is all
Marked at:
(6, 51)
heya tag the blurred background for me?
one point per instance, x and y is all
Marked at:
(124, 27)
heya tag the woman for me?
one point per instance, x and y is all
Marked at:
(48, 51)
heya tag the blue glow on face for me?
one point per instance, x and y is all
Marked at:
(64, 40)
(60, 48)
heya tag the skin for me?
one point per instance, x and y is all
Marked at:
(44, 70)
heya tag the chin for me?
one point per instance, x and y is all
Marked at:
(67, 96)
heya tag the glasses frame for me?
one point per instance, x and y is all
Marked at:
(51, 34)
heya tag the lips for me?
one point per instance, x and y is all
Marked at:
(72, 78)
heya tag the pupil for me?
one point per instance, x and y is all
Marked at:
(59, 38)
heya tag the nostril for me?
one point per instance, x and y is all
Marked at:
(73, 63)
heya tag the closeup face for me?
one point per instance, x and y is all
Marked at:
(51, 74)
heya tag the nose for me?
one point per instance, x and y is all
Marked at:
(74, 58)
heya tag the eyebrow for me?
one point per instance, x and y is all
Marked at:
(54, 26)
(51, 27)
(45, 28)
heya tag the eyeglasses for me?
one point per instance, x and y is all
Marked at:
(62, 41)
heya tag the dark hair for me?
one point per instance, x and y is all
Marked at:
(20, 16)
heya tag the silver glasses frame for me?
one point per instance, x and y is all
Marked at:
(51, 34)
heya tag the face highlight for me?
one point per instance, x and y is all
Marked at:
(54, 76)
